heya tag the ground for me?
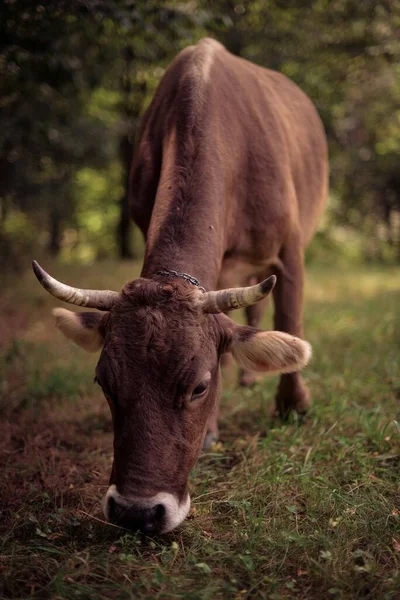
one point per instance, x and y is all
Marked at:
(308, 509)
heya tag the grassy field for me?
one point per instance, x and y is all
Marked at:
(304, 510)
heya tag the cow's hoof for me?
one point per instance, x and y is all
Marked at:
(209, 440)
(303, 406)
(300, 404)
(293, 395)
(283, 414)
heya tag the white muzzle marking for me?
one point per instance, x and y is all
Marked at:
(175, 512)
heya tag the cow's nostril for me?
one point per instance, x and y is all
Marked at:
(160, 512)
(135, 517)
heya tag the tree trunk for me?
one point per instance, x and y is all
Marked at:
(133, 94)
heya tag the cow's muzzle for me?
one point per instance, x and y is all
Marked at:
(157, 514)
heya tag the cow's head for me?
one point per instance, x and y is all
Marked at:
(161, 340)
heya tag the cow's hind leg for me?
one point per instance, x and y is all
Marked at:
(292, 393)
(212, 434)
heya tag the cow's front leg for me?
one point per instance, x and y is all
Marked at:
(292, 393)
(212, 434)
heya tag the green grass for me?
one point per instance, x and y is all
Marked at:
(310, 509)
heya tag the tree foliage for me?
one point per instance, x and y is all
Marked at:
(77, 75)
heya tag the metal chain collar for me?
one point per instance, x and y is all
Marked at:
(184, 276)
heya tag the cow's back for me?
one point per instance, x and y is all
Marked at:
(253, 130)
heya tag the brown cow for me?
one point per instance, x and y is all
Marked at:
(227, 184)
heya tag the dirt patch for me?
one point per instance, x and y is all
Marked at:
(57, 452)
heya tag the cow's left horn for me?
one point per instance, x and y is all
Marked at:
(233, 298)
(100, 299)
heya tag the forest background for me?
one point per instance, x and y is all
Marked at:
(77, 75)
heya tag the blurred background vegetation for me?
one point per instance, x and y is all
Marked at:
(76, 76)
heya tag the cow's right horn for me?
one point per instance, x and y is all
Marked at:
(100, 299)
(233, 298)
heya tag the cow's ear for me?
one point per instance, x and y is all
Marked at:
(85, 329)
(269, 351)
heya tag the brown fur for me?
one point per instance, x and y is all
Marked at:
(227, 184)
(157, 349)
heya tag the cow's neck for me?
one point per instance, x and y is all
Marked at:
(186, 231)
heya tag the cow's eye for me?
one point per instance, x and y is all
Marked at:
(199, 390)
